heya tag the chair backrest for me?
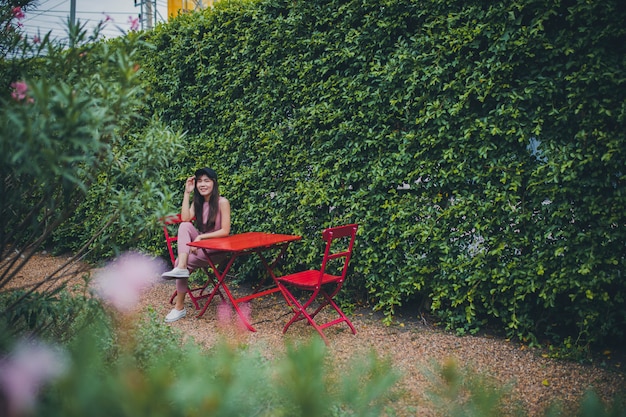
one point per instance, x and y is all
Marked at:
(167, 221)
(340, 256)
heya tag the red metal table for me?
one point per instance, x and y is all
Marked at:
(239, 245)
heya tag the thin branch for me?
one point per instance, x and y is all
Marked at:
(52, 277)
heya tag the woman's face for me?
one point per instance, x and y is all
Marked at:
(204, 185)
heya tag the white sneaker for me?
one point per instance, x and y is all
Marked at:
(176, 273)
(175, 315)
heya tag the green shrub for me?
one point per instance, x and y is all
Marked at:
(54, 315)
(128, 198)
(185, 381)
(480, 146)
(464, 392)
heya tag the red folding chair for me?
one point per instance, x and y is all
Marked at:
(195, 294)
(324, 283)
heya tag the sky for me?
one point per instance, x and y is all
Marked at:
(52, 15)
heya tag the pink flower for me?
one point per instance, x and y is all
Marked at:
(246, 311)
(107, 18)
(36, 39)
(123, 281)
(18, 13)
(224, 314)
(25, 370)
(19, 90)
(134, 23)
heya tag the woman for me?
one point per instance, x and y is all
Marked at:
(212, 213)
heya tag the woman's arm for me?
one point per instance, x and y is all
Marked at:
(187, 210)
(225, 229)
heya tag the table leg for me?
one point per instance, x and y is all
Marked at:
(221, 277)
(235, 302)
(270, 266)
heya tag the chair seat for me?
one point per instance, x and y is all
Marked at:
(308, 279)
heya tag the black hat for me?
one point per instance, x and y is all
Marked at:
(208, 172)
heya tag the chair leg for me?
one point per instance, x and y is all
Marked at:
(195, 299)
(296, 307)
(306, 316)
(300, 313)
(343, 317)
(322, 305)
(200, 290)
(328, 300)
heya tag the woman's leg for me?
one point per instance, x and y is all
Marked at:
(186, 234)
(181, 292)
(188, 259)
(200, 259)
(195, 261)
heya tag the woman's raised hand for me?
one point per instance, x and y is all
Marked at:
(190, 184)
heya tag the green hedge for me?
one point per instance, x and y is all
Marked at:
(480, 146)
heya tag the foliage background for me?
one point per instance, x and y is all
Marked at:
(480, 146)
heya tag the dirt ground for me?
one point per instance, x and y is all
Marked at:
(413, 345)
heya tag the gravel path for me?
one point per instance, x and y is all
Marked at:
(413, 346)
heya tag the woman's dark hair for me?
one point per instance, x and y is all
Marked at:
(205, 225)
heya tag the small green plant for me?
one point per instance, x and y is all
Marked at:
(457, 392)
(464, 392)
(593, 406)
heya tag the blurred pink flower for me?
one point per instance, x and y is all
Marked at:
(18, 13)
(123, 281)
(19, 90)
(107, 18)
(36, 39)
(246, 311)
(25, 370)
(224, 314)
(134, 23)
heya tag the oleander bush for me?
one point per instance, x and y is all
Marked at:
(80, 164)
(61, 113)
(73, 176)
(480, 146)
